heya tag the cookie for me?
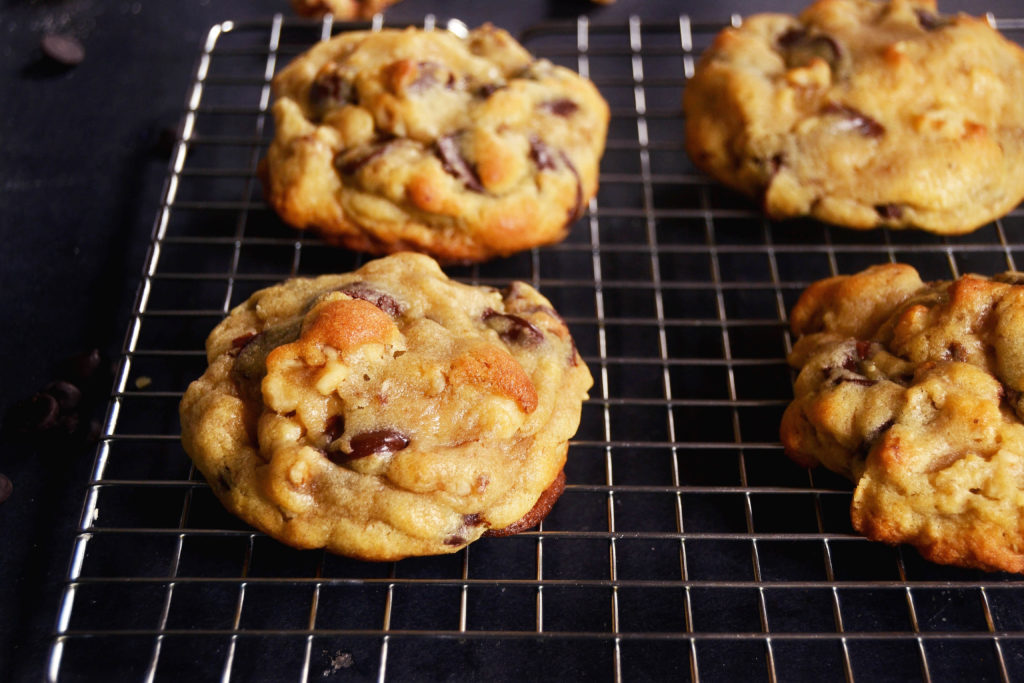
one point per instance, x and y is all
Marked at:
(864, 114)
(462, 148)
(343, 10)
(913, 391)
(387, 412)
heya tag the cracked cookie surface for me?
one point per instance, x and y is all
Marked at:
(387, 412)
(913, 391)
(461, 148)
(864, 114)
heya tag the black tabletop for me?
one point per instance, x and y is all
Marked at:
(83, 156)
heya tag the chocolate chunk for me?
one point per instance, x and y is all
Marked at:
(930, 21)
(577, 210)
(513, 329)
(863, 349)
(475, 519)
(66, 394)
(800, 47)
(862, 381)
(851, 364)
(454, 539)
(334, 428)
(63, 49)
(353, 160)
(330, 89)
(222, 480)
(956, 352)
(455, 164)
(429, 75)
(541, 154)
(6, 488)
(251, 364)
(776, 163)
(377, 441)
(241, 340)
(561, 107)
(39, 413)
(890, 211)
(385, 302)
(854, 119)
(488, 89)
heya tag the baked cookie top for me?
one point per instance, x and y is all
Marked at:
(913, 391)
(341, 9)
(462, 148)
(387, 412)
(864, 114)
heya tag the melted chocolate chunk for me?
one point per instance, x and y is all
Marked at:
(854, 119)
(562, 107)
(429, 75)
(930, 21)
(541, 154)
(251, 364)
(577, 209)
(488, 89)
(331, 89)
(475, 519)
(334, 428)
(513, 329)
(241, 340)
(377, 441)
(890, 211)
(353, 160)
(454, 539)
(223, 481)
(862, 381)
(385, 302)
(800, 47)
(863, 349)
(455, 164)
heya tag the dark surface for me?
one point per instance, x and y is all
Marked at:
(82, 163)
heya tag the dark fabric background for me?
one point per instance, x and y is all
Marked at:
(80, 181)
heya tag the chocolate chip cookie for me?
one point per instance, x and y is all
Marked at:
(864, 114)
(344, 10)
(387, 412)
(462, 148)
(913, 390)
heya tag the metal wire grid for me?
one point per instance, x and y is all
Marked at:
(685, 544)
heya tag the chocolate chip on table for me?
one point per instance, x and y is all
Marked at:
(513, 329)
(63, 49)
(455, 164)
(67, 395)
(6, 488)
(854, 119)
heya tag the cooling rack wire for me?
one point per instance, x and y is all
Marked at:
(686, 546)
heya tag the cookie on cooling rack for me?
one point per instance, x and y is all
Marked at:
(914, 391)
(387, 412)
(462, 148)
(864, 114)
(341, 9)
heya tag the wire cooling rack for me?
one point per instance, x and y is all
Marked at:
(685, 545)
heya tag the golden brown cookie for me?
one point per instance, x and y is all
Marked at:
(387, 412)
(462, 148)
(343, 10)
(913, 391)
(864, 114)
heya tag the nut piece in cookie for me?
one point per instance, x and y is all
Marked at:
(913, 391)
(461, 148)
(864, 114)
(387, 412)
